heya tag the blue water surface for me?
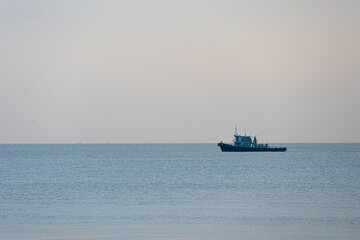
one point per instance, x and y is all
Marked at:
(178, 191)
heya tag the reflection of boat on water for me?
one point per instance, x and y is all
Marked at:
(247, 144)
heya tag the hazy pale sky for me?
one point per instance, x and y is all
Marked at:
(179, 71)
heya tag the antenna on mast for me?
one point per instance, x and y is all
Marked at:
(235, 130)
(245, 131)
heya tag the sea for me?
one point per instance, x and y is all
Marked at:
(179, 191)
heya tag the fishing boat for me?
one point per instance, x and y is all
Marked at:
(247, 144)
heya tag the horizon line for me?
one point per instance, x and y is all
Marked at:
(79, 143)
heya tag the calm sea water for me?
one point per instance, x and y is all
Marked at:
(178, 191)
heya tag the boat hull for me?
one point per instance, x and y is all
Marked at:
(231, 148)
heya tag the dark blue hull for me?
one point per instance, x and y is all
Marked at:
(231, 148)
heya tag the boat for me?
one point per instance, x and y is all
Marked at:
(247, 144)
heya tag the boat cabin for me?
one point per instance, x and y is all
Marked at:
(242, 141)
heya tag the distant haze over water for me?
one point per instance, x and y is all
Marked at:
(179, 71)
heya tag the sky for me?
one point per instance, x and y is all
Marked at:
(179, 71)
